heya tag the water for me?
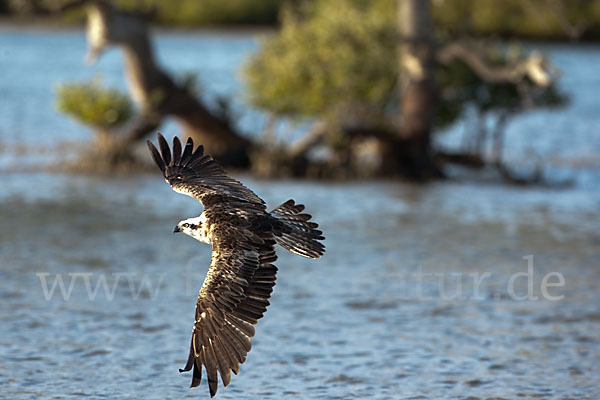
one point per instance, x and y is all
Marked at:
(392, 311)
(34, 63)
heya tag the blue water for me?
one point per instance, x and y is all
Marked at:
(34, 63)
(391, 312)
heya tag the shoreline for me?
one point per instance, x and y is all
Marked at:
(52, 24)
(57, 25)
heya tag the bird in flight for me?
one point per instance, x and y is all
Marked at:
(241, 276)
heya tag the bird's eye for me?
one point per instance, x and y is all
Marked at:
(186, 225)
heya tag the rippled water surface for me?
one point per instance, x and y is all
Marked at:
(424, 293)
(357, 323)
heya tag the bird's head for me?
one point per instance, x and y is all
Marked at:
(193, 227)
(188, 226)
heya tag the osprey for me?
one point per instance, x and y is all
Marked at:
(241, 276)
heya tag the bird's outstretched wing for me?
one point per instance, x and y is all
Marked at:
(234, 296)
(191, 172)
(239, 282)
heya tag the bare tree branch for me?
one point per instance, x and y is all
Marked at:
(534, 67)
(573, 30)
(143, 125)
(150, 86)
(555, 8)
(312, 138)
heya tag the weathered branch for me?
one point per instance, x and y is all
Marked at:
(533, 8)
(557, 9)
(312, 138)
(574, 31)
(534, 67)
(318, 131)
(151, 87)
(113, 147)
(142, 126)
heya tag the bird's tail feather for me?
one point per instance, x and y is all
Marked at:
(298, 234)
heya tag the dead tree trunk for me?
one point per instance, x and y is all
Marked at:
(157, 94)
(410, 152)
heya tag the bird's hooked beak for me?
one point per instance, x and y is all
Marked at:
(177, 229)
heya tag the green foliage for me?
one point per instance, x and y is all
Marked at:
(330, 57)
(336, 60)
(183, 12)
(539, 19)
(461, 87)
(91, 103)
(208, 12)
(172, 12)
(514, 18)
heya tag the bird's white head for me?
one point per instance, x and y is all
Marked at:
(194, 227)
